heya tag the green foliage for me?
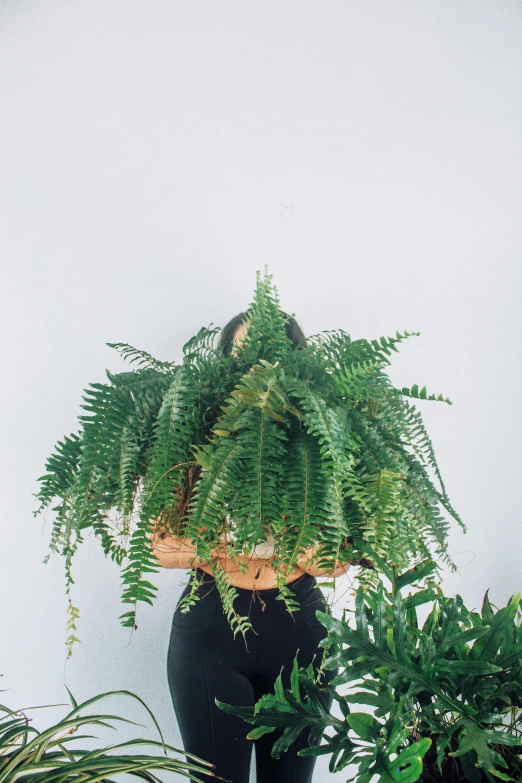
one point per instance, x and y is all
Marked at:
(312, 445)
(29, 754)
(294, 713)
(449, 692)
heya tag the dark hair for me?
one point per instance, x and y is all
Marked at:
(292, 328)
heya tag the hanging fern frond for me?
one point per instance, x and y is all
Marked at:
(382, 490)
(141, 561)
(257, 501)
(304, 502)
(111, 409)
(146, 387)
(424, 445)
(61, 468)
(337, 448)
(169, 454)
(360, 382)
(227, 593)
(220, 478)
(174, 429)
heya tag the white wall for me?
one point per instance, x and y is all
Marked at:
(153, 156)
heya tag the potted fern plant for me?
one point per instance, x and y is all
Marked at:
(314, 447)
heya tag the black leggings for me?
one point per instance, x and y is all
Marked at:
(206, 662)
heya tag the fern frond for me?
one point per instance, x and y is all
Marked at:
(126, 468)
(266, 337)
(111, 410)
(146, 387)
(141, 561)
(422, 442)
(61, 469)
(169, 452)
(71, 627)
(110, 542)
(229, 415)
(382, 491)
(285, 593)
(359, 382)
(70, 547)
(228, 594)
(340, 350)
(420, 506)
(423, 395)
(212, 492)
(262, 387)
(334, 346)
(338, 448)
(381, 348)
(257, 501)
(174, 431)
(200, 348)
(304, 499)
(378, 448)
(131, 355)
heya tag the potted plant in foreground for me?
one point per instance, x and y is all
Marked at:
(53, 755)
(446, 696)
(313, 446)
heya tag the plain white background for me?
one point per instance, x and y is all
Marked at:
(153, 156)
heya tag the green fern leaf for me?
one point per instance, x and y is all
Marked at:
(212, 492)
(62, 467)
(174, 430)
(422, 395)
(141, 357)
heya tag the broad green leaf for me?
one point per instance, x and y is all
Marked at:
(399, 630)
(463, 637)
(259, 731)
(417, 599)
(294, 679)
(415, 574)
(467, 667)
(487, 609)
(379, 621)
(364, 725)
(486, 647)
(407, 767)
(360, 614)
(475, 739)
(372, 699)
(502, 738)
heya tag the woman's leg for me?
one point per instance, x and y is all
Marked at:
(205, 662)
(277, 648)
(276, 652)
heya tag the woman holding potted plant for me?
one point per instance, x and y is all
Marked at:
(207, 661)
(259, 465)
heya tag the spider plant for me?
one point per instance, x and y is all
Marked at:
(52, 755)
